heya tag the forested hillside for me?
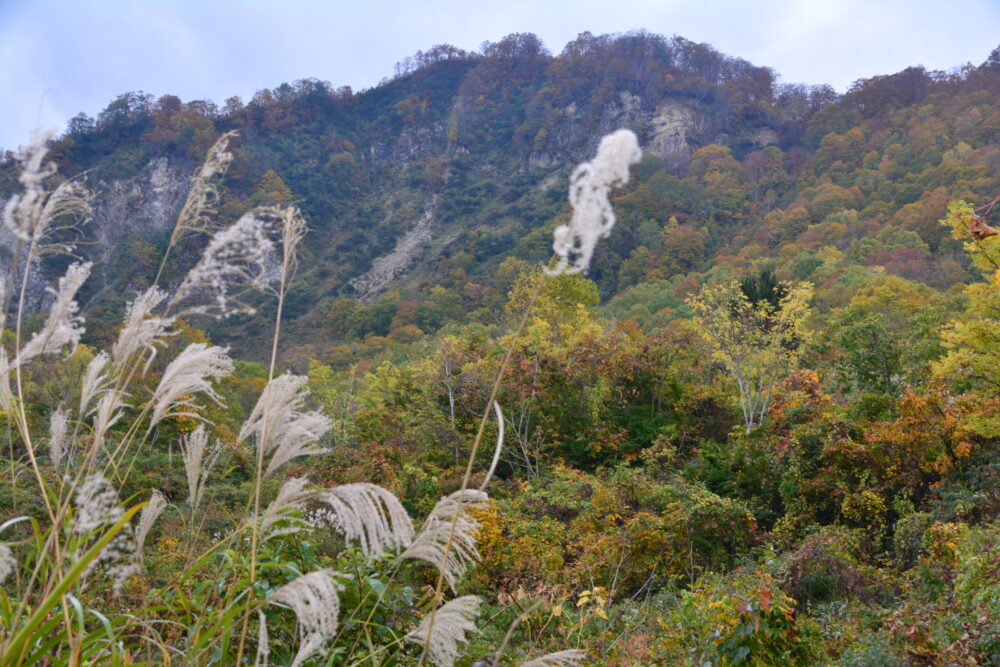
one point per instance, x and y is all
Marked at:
(761, 428)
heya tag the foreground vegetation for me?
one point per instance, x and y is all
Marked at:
(762, 430)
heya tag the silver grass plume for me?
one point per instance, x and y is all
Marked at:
(368, 514)
(263, 642)
(62, 327)
(450, 550)
(280, 427)
(8, 563)
(203, 193)
(29, 215)
(238, 256)
(199, 459)
(293, 229)
(191, 372)
(141, 331)
(589, 186)
(108, 413)
(451, 622)
(94, 383)
(147, 517)
(570, 658)
(58, 423)
(6, 394)
(315, 599)
(277, 519)
(97, 506)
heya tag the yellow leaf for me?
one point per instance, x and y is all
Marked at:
(557, 610)
(600, 612)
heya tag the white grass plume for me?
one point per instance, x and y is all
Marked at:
(147, 517)
(236, 257)
(432, 542)
(62, 327)
(108, 413)
(292, 225)
(203, 194)
(8, 563)
(58, 426)
(315, 599)
(199, 459)
(451, 622)
(370, 515)
(280, 427)
(570, 658)
(278, 518)
(29, 215)
(593, 216)
(6, 393)
(96, 507)
(94, 382)
(96, 504)
(191, 372)
(263, 642)
(141, 331)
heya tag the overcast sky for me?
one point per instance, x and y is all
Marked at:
(60, 57)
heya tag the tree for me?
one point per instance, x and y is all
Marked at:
(756, 336)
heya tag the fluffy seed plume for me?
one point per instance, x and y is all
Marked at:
(315, 599)
(29, 215)
(62, 327)
(277, 519)
(589, 186)
(190, 373)
(263, 642)
(293, 229)
(447, 540)
(8, 563)
(141, 332)
(203, 193)
(97, 506)
(147, 517)
(370, 515)
(280, 427)
(199, 459)
(447, 628)
(570, 658)
(94, 383)
(6, 394)
(58, 423)
(236, 257)
(108, 414)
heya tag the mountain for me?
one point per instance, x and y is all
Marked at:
(419, 190)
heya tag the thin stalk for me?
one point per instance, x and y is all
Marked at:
(472, 456)
(286, 267)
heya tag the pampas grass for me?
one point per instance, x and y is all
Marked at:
(279, 426)
(570, 658)
(199, 459)
(447, 540)
(441, 633)
(370, 515)
(89, 530)
(315, 599)
(190, 373)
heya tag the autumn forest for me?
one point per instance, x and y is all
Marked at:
(627, 355)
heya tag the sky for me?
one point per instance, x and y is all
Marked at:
(61, 57)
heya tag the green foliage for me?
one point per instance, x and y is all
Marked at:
(740, 619)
